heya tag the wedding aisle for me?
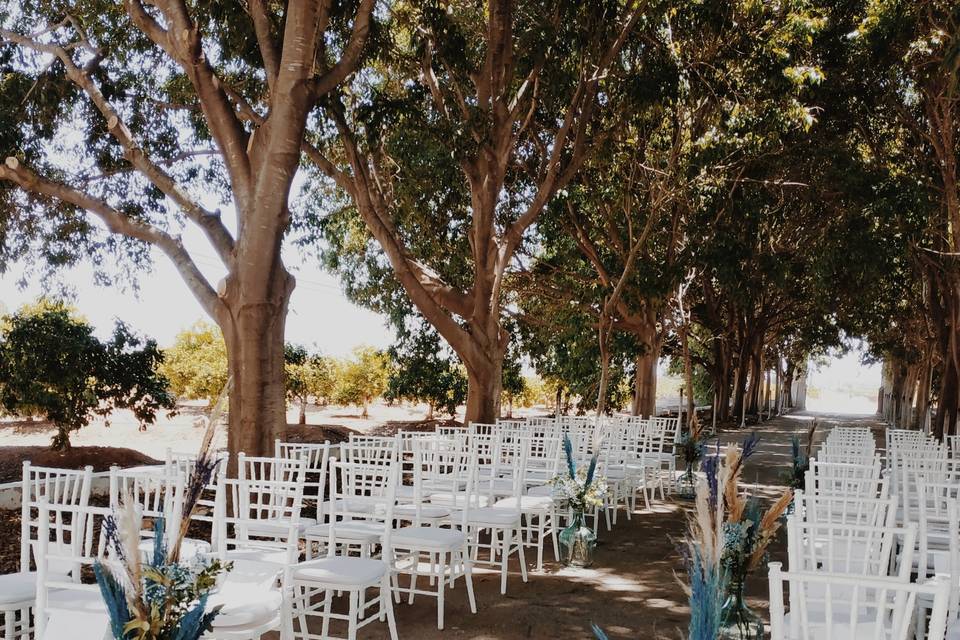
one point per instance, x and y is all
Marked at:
(631, 591)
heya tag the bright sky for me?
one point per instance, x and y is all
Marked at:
(845, 385)
(319, 313)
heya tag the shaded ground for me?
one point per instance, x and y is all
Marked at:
(631, 592)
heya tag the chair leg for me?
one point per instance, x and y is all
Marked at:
(553, 535)
(327, 601)
(352, 629)
(468, 575)
(413, 577)
(504, 556)
(386, 602)
(441, 588)
(540, 534)
(523, 556)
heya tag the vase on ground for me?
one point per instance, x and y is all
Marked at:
(737, 620)
(577, 542)
(687, 483)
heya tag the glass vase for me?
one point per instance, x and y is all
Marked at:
(687, 484)
(577, 542)
(737, 620)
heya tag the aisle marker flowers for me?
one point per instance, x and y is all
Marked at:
(579, 489)
(163, 599)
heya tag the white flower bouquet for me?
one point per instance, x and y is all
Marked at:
(579, 489)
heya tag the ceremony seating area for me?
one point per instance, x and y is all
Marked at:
(326, 539)
(872, 542)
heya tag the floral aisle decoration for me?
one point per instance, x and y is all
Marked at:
(579, 491)
(728, 538)
(692, 447)
(161, 597)
(795, 476)
(746, 531)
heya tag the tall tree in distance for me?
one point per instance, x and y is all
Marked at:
(478, 116)
(123, 122)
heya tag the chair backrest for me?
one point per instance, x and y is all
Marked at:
(445, 466)
(153, 492)
(826, 606)
(832, 478)
(57, 488)
(61, 555)
(841, 509)
(870, 552)
(317, 457)
(953, 446)
(939, 537)
(263, 513)
(370, 449)
(362, 491)
(483, 428)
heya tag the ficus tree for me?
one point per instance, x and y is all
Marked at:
(904, 61)
(362, 378)
(453, 146)
(122, 123)
(307, 374)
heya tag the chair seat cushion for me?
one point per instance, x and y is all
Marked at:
(354, 531)
(431, 511)
(86, 600)
(280, 526)
(340, 571)
(492, 516)
(427, 538)
(190, 548)
(448, 499)
(18, 587)
(527, 503)
(277, 557)
(543, 491)
(245, 605)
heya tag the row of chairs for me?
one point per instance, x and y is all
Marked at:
(423, 507)
(859, 561)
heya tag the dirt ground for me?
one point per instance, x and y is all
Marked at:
(630, 592)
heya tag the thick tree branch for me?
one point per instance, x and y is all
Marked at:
(118, 223)
(208, 221)
(351, 53)
(182, 42)
(269, 51)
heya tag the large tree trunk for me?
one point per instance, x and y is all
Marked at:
(946, 418)
(484, 386)
(756, 378)
(645, 383)
(603, 334)
(923, 393)
(740, 383)
(254, 336)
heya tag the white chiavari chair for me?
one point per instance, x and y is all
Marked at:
(502, 526)
(65, 606)
(58, 488)
(259, 535)
(539, 512)
(441, 553)
(856, 608)
(842, 509)
(354, 487)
